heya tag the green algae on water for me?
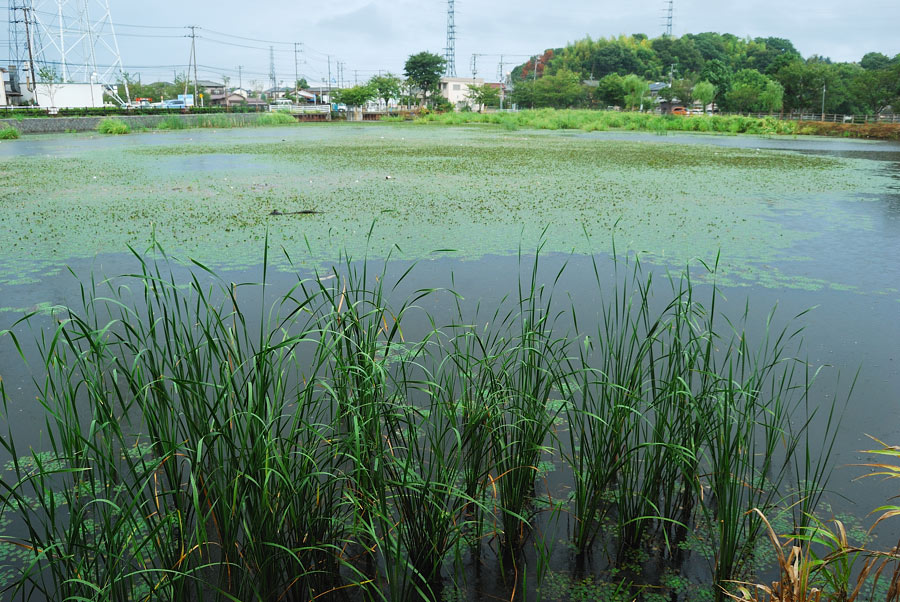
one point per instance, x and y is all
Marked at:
(477, 191)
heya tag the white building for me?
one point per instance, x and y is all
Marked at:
(456, 90)
(68, 96)
(3, 101)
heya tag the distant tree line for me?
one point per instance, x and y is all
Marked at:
(739, 74)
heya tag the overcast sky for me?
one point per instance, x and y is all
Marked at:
(369, 36)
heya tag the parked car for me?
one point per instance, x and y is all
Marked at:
(174, 104)
(679, 111)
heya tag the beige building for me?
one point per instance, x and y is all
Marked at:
(456, 90)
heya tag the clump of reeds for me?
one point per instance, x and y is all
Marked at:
(276, 118)
(9, 133)
(218, 121)
(113, 126)
(172, 122)
(209, 442)
(590, 121)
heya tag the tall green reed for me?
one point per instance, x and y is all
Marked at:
(221, 440)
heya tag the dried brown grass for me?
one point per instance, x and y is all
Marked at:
(798, 571)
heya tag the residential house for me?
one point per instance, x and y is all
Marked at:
(321, 92)
(210, 88)
(656, 88)
(456, 90)
(502, 88)
(276, 93)
(227, 100)
(257, 103)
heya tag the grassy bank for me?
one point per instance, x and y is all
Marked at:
(203, 445)
(589, 121)
(223, 121)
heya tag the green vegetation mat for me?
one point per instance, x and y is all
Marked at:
(474, 190)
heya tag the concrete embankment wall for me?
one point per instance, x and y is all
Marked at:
(57, 125)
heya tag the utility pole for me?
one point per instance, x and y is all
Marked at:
(502, 83)
(474, 66)
(31, 87)
(241, 77)
(823, 102)
(272, 78)
(329, 79)
(355, 77)
(193, 62)
(296, 75)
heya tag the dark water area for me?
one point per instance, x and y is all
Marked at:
(849, 330)
(844, 331)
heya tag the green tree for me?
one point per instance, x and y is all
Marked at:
(682, 90)
(561, 90)
(875, 90)
(771, 99)
(356, 96)
(746, 89)
(767, 55)
(424, 70)
(523, 93)
(874, 60)
(484, 96)
(50, 78)
(704, 92)
(636, 89)
(719, 75)
(611, 90)
(387, 87)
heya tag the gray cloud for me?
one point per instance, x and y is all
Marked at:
(369, 36)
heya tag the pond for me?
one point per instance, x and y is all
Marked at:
(796, 223)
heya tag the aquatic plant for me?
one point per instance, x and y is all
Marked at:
(113, 126)
(276, 118)
(590, 121)
(172, 122)
(9, 133)
(211, 440)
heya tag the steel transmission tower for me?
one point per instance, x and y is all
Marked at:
(73, 39)
(450, 50)
(18, 40)
(669, 16)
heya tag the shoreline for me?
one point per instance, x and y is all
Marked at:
(542, 119)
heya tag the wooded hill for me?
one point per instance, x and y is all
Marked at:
(759, 74)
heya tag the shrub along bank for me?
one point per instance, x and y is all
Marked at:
(552, 119)
(61, 125)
